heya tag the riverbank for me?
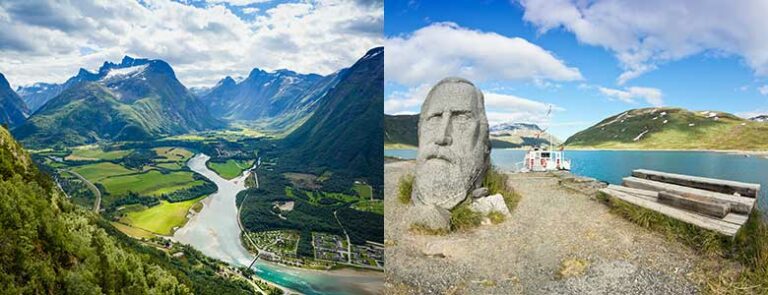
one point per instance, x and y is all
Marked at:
(558, 240)
(215, 232)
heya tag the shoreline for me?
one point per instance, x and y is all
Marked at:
(736, 152)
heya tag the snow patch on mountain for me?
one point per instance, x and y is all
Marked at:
(122, 72)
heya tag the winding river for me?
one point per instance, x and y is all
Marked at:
(215, 232)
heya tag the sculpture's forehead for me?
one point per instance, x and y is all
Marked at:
(453, 96)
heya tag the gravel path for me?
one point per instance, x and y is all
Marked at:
(558, 241)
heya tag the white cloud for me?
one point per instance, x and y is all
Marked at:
(44, 41)
(251, 10)
(652, 96)
(238, 2)
(510, 108)
(644, 34)
(499, 107)
(446, 49)
(763, 89)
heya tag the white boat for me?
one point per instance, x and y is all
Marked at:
(538, 160)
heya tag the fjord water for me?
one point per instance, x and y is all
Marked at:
(612, 166)
(215, 232)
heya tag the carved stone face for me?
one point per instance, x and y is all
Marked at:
(453, 144)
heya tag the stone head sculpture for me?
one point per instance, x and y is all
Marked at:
(454, 148)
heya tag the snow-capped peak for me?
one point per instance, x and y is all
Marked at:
(129, 71)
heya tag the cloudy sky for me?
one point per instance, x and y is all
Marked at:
(49, 40)
(587, 59)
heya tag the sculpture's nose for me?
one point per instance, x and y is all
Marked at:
(444, 135)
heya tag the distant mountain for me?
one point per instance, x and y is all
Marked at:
(36, 95)
(345, 131)
(517, 135)
(134, 100)
(280, 98)
(760, 118)
(673, 128)
(13, 110)
(402, 130)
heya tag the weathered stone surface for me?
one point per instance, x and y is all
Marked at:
(429, 216)
(490, 204)
(479, 193)
(454, 149)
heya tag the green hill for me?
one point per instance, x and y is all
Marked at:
(673, 128)
(50, 246)
(344, 134)
(401, 130)
(135, 100)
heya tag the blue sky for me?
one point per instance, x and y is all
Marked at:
(597, 66)
(204, 40)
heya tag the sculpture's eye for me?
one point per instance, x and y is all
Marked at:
(435, 116)
(462, 117)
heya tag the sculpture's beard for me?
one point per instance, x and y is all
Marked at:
(443, 178)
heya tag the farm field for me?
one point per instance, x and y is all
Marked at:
(160, 219)
(95, 153)
(231, 168)
(98, 171)
(152, 183)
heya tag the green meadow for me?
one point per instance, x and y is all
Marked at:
(160, 219)
(231, 168)
(94, 153)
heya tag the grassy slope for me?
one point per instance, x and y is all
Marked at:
(162, 218)
(729, 132)
(51, 246)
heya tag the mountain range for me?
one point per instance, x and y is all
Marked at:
(402, 131)
(673, 128)
(280, 98)
(13, 110)
(134, 100)
(344, 133)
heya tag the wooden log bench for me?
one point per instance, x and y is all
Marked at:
(737, 204)
(728, 225)
(711, 184)
(695, 203)
(719, 205)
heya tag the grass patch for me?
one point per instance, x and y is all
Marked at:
(162, 218)
(374, 206)
(99, 171)
(496, 217)
(572, 267)
(404, 189)
(173, 154)
(497, 183)
(462, 218)
(152, 183)
(363, 190)
(229, 169)
(95, 153)
(425, 230)
(132, 231)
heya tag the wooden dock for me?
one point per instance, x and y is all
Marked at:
(714, 204)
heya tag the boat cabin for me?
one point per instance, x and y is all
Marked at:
(545, 160)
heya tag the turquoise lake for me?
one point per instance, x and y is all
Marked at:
(612, 166)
